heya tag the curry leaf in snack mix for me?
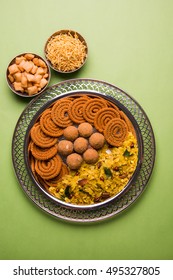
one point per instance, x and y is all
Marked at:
(126, 153)
(108, 172)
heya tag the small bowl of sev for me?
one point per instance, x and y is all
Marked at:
(66, 51)
(28, 74)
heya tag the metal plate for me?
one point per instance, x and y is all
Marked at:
(85, 215)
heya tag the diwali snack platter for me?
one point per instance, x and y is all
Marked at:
(104, 205)
(83, 149)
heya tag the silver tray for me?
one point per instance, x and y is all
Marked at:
(58, 210)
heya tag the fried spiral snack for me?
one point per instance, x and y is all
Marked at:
(91, 107)
(48, 126)
(53, 182)
(128, 122)
(112, 105)
(48, 169)
(59, 112)
(43, 153)
(103, 116)
(76, 109)
(32, 164)
(40, 138)
(115, 132)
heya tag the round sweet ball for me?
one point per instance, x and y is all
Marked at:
(97, 140)
(90, 156)
(85, 129)
(71, 133)
(74, 161)
(80, 145)
(65, 147)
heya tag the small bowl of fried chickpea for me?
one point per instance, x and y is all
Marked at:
(28, 75)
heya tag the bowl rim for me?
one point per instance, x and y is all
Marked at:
(21, 93)
(65, 31)
(139, 141)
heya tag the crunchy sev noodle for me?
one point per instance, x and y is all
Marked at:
(66, 52)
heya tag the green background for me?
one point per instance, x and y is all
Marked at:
(130, 45)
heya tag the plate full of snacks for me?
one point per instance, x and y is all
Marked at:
(85, 147)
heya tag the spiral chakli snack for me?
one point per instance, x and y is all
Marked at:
(42, 182)
(40, 138)
(112, 105)
(59, 112)
(53, 182)
(48, 126)
(128, 122)
(103, 116)
(32, 164)
(91, 107)
(48, 169)
(115, 132)
(76, 109)
(43, 153)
